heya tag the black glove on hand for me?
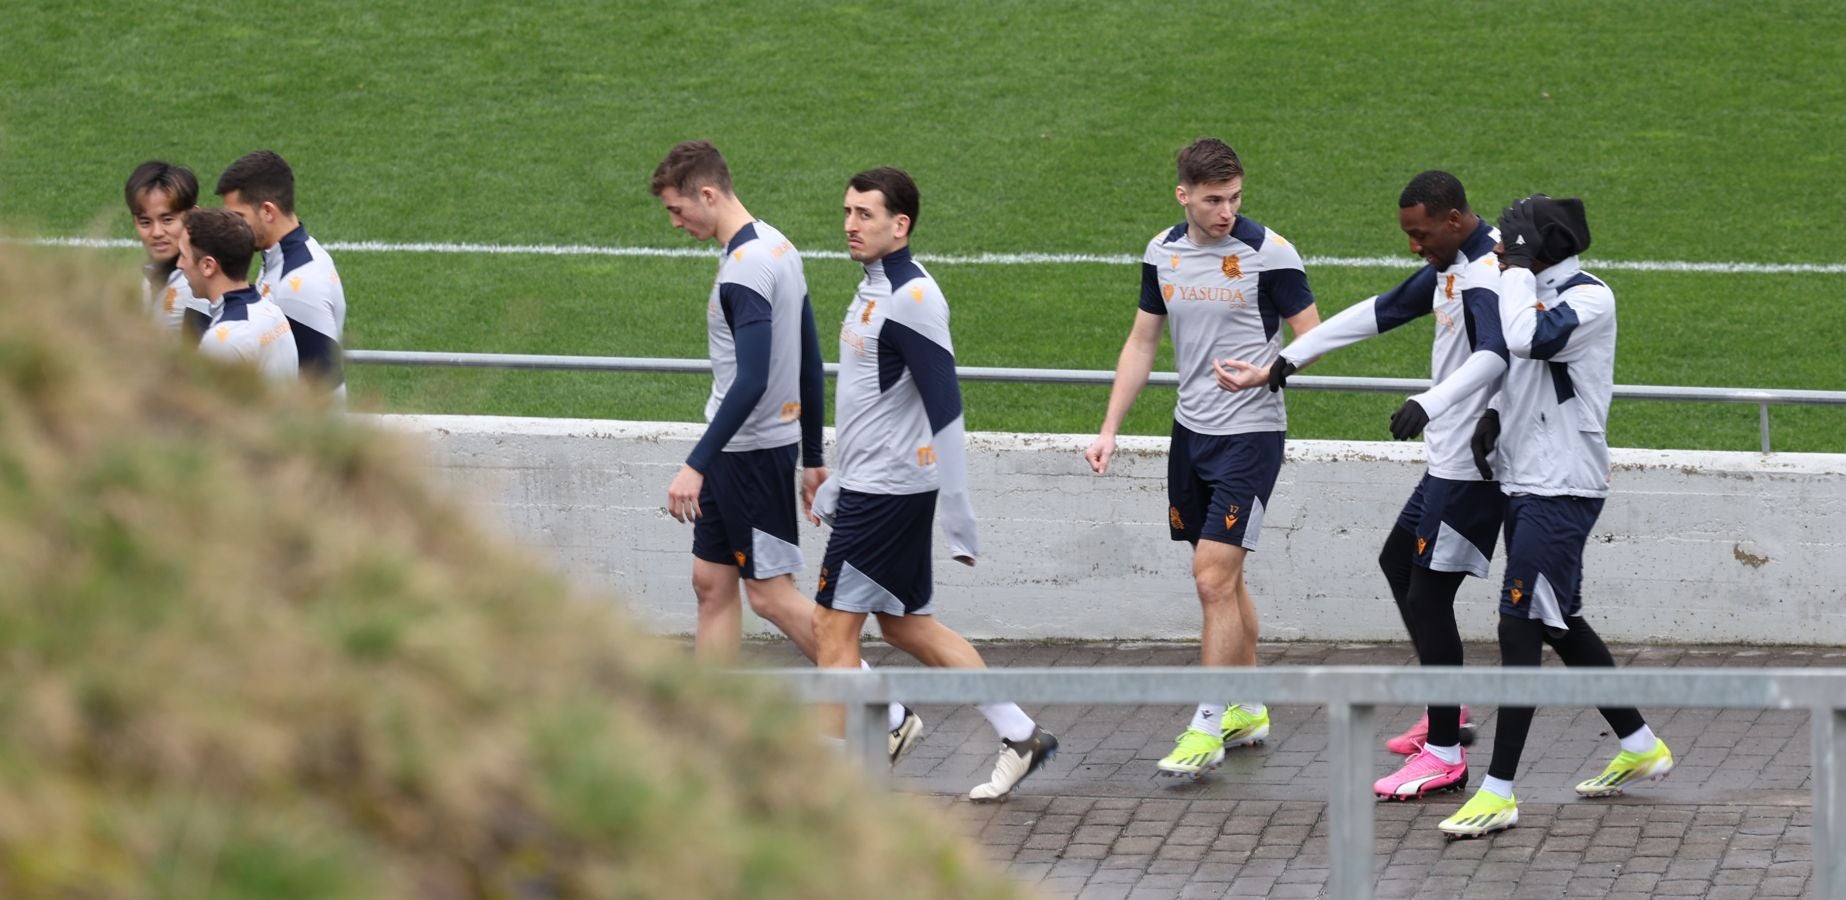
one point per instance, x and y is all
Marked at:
(1408, 421)
(1279, 372)
(1518, 236)
(1486, 436)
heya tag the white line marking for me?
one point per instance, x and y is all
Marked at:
(979, 259)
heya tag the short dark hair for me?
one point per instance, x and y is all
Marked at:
(159, 175)
(261, 177)
(1208, 161)
(1438, 192)
(901, 195)
(224, 236)
(691, 165)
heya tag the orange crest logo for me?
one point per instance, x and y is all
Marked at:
(1422, 545)
(1166, 292)
(791, 412)
(294, 284)
(1448, 286)
(823, 579)
(1231, 268)
(926, 456)
(738, 255)
(741, 559)
(1174, 520)
(1230, 518)
(1175, 260)
(1517, 593)
(916, 293)
(865, 316)
(172, 295)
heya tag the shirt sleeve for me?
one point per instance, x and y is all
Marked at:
(1152, 300)
(919, 333)
(813, 391)
(1349, 326)
(1534, 331)
(753, 342)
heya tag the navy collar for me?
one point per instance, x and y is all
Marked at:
(1559, 272)
(743, 236)
(899, 256)
(298, 236)
(1479, 244)
(246, 294)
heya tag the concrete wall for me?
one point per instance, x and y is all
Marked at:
(1692, 547)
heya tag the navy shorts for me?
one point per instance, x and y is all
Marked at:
(1218, 484)
(1544, 556)
(747, 513)
(877, 558)
(1456, 523)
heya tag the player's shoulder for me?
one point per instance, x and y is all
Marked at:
(1168, 236)
(758, 250)
(1268, 249)
(1584, 287)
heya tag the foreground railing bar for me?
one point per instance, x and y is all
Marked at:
(1316, 685)
(1829, 852)
(1051, 376)
(1349, 800)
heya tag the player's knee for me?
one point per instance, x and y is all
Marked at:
(765, 599)
(711, 589)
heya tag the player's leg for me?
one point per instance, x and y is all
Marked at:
(783, 605)
(1494, 806)
(719, 633)
(836, 634)
(1242, 471)
(1024, 746)
(1397, 559)
(1438, 762)
(1557, 590)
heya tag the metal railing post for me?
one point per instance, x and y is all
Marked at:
(1829, 852)
(1763, 422)
(872, 741)
(1350, 805)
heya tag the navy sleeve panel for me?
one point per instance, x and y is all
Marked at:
(1412, 299)
(813, 391)
(1287, 290)
(195, 325)
(1151, 301)
(746, 389)
(933, 368)
(742, 306)
(1480, 310)
(320, 356)
(1553, 330)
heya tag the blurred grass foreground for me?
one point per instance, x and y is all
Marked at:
(250, 653)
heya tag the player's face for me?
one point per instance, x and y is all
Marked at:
(158, 225)
(259, 217)
(1435, 238)
(190, 265)
(691, 213)
(872, 230)
(1211, 209)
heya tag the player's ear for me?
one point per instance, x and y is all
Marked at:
(903, 225)
(270, 210)
(1179, 193)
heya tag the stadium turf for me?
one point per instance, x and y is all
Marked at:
(1704, 131)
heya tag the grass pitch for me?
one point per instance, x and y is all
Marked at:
(1697, 131)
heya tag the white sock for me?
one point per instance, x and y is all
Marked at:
(1008, 720)
(1640, 742)
(1209, 718)
(894, 712)
(1450, 755)
(1255, 709)
(1499, 786)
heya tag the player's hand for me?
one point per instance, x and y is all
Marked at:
(1518, 246)
(1235, 374)
(1486, 437)
(683, 494)
(1409, 420)
(1279, 372)
(811, 480)
(1100, 452)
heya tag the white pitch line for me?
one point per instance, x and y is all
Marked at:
(979, 259)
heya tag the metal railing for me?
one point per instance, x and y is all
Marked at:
(1762, 397)
(1351, 694)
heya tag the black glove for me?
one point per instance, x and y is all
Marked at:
(1486, 436)
(1408, 421)
(1518, 236)
(1279, 372)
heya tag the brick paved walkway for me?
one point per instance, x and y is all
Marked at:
(1732, 821)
